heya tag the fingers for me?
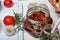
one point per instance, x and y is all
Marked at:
(56, 4)
(58, 7)
(53, 2)
(59, 2)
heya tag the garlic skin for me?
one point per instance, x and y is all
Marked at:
(10, 31)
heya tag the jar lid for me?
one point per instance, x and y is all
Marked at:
(37, 4)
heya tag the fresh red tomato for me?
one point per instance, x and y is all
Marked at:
(8, 20)
(8, 3)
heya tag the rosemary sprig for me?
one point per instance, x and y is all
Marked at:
(18, 21)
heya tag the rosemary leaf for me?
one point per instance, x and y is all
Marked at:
(18, 21)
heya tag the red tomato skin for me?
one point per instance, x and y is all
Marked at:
(8, 3)
(7, 0)
(9, 20)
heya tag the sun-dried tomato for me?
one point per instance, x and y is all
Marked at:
(43, 25)
(28, 26)
(36, 19)
(41, 16)
(50, 21)
(38, 16)
(32, 16)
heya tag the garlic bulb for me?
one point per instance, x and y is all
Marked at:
(10, 30)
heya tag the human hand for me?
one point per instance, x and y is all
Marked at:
(56, 4)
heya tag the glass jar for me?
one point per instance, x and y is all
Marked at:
(37, 18)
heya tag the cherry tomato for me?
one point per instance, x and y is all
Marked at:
(8, 20)
(8, 3)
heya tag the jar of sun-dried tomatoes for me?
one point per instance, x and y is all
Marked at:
(37, 18)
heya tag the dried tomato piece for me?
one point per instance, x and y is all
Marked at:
(32, 16)
(29, 29)
(38, 16)
(27, 26)
(50, 21)
(41, 16)
(25, 23)
(36, 19)
(42, 25)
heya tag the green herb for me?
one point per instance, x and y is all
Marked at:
(18, 21)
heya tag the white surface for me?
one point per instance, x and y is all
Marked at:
(17, 7)
(8, 11)
(52, 13)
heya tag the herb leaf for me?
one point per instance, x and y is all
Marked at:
(18, 21)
